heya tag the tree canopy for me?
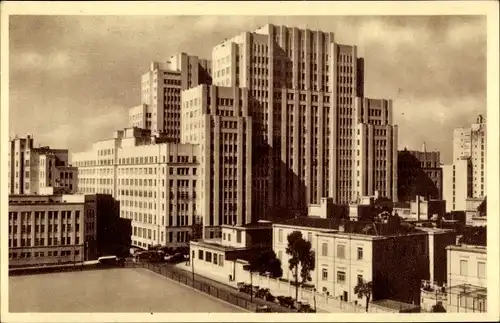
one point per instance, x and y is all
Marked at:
(301, 254)
(364, 289)
(266, 262)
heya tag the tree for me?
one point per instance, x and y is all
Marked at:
(482, 208)
(364, 289)
(266, 262)
(300, 254)
(438, 308)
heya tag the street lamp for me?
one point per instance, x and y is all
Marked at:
(314, 298)
(248, 267)
(192, 265)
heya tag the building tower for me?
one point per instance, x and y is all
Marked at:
(161, 88)
(302, 86)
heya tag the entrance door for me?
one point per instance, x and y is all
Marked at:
(345, 296)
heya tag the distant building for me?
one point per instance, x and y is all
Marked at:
(39, 170)
(472, 214)
(466, 177)
(161, 86)
(349, 252)
(419, 173)
(423, 210)
(457, 184)
(45, 230)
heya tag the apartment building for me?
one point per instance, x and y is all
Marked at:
(302, 86)
(161, 88)
(468, 144)
(216, 119)
(376, 149)
(419, 173)
(45, 230)
(349, 252)
(467, 283)
(153, 180)
(31, 170)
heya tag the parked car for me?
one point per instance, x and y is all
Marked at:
(285, 301)
(177, 257)
(305, 308)
(263, 309)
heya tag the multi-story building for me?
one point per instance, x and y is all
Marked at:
(32, 170)
(348, 253)
(216, 119)
(161, 89)
(467, 283)
(374, 166)
(45, 230)
(106, 233)
(457, 184)
(302, 87)
(153, 180)
(419, 173)
(468, 144)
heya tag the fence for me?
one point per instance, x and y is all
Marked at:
(321, 300)
(233, 297)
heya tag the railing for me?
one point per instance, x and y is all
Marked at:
(233, 297)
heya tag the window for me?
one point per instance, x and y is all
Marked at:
(463, 267)
(324, 274)
(280, 235)
(215, 259)
(309, 236)
(208, 256)
(238, 236)
(200, 254)
(360, 253)
(340, 251)
(481, 270)
(360, 279)
(221, 260)
(324, 249)
(280, 255)
(340, 277)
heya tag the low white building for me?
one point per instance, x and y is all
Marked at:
(223, 258)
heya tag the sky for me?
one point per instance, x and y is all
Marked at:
(73, 78)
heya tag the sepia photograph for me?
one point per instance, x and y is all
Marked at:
(182, 162)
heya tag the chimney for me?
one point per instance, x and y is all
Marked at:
(424, 149)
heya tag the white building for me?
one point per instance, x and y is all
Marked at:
(302, 86)
(161, 88)
(153, 180)
(346, 255)
(467, 282)
(457, 184)
(466, 177)
(39, 170)
(216, 119)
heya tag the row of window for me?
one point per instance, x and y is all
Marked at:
(40, 254)
(210, 257)
(40, 215)
(41, 242)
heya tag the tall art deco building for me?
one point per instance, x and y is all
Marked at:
(310, 137)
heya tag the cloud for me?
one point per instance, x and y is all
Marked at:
(73, 70)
